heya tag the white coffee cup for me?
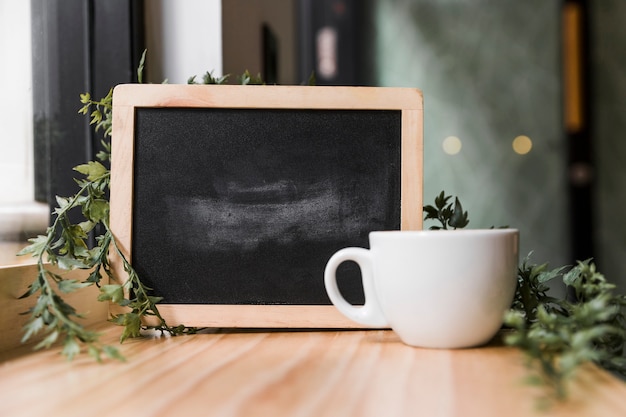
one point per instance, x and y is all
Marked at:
(434, 288)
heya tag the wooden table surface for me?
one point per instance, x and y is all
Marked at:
(288, 373)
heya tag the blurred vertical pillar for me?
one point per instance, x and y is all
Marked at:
(78, 46)
(576, 121)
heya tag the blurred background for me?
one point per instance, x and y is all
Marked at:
(524, 100)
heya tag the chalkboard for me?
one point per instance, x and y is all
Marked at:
(231, 199)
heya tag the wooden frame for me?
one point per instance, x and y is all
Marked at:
(128, 98)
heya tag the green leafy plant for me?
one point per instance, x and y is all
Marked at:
(248, 79)
(209, 78)
(446, 214)
(558, 335)
(65, 245)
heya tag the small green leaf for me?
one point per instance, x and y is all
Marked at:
(111, 292)
(37, 246)
(132, 326)
(96, 116)
(99, 210)
(32, 289)
(94, 352)
(104, 155)
(92, 169)
(62, 202)
(441, 200)
(573, 276)
(48, 340)
(69, 263)
(154, 300)
(248, 79)
(514, 318)
(431, 212)
(70, 285)
(545, 276)
(312, 79)
(113, 353)
(71, 348)
(86, 226)
(458, 219)
(95, 276)
(32, 328)
(534, 380)
(142, 62)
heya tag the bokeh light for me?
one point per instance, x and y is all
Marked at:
(452, 145)
(522, 145)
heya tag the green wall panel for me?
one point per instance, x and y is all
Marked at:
(490, 72)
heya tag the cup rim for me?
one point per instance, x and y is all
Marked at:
(504, 230)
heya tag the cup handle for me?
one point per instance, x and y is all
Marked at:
(369, 314)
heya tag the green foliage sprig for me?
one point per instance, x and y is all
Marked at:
(248, 79)
(558, 335)
(66, 245)
(446, 214)
(209, 78)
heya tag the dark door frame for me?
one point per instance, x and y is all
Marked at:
(78, 46)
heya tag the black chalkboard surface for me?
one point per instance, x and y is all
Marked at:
(240, 202)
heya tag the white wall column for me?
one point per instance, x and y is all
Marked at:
(183, 39)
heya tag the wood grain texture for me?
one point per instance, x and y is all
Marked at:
(412, 170)
(287, 373)
(277, 97)
(242, 316)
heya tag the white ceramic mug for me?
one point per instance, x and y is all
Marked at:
(434, 288)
